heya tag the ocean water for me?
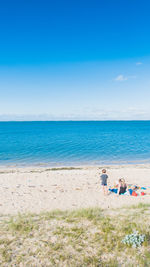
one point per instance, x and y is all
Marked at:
(74, 143)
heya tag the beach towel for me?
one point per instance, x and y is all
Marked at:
(132, 190)
(114, 190)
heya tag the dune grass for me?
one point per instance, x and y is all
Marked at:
(86, 237)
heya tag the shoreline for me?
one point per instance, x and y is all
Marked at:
(16, 168)
(76, 164)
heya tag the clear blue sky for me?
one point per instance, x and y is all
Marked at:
(75, 59)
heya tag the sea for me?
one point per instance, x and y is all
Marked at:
(74, 143)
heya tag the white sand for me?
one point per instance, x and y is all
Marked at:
(37, 189)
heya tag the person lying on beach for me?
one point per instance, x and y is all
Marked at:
(122, 187)
(104, 178)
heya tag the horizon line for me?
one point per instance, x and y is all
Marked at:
(74, 120)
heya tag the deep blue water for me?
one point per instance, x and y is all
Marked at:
(74, 143)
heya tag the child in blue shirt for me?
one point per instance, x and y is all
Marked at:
(104, 178)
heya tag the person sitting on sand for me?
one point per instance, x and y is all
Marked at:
(104, 178)
(122, 187)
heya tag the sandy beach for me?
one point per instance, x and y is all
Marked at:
(44, 189)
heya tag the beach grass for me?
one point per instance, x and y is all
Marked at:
(85, 237)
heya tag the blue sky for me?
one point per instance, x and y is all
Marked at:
(74, 60)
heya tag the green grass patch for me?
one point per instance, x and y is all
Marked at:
(21, 224)
(139, 206)
(84, 237)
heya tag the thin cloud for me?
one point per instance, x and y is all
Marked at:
(121, 78)
(139, 63)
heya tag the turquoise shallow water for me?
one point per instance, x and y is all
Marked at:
(74, 143)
